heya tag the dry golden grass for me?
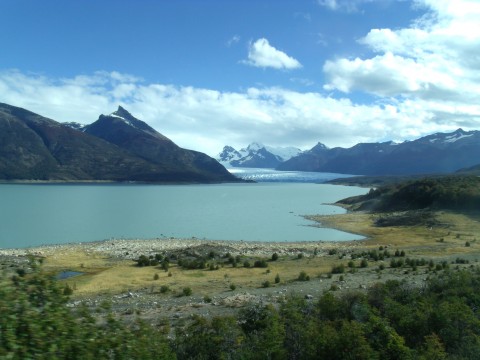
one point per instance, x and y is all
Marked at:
(455, 230)
(104, 275)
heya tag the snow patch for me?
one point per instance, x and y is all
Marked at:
(126, 121)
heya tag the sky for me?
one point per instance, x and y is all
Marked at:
(210, 73)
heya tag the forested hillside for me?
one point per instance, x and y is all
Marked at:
(460, 193)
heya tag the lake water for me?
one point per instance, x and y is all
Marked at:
(32, 215)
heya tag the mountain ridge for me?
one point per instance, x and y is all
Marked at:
(33, 147)
(256, 155)
(436, 153)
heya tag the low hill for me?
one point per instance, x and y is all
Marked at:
(461, 193)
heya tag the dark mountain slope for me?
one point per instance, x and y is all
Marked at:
(437, 153)
(36, 148)
(129, 133)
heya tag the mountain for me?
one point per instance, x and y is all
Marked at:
(437, 153)
(33, 147)
(256, 156)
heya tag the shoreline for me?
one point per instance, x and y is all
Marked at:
(134, 247)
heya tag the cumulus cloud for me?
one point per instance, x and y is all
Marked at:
(424, 78)
(262, 54)
(436, 59)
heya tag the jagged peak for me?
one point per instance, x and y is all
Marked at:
(123, 113)
(319, 146)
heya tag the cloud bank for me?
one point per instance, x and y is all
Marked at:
(423, 79)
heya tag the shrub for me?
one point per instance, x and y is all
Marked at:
(277, 279)
(300, 256)
(165, 264)
(303, 276)
(187, 291)
(334, 287)
(364, 263)
(156, 277)
(67, 290)
(266, 284)
(274, 257)
(164, 289)
(338, 269)
(233, 287)
(260, 264)
(246, 264)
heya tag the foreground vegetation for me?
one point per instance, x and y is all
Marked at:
(414, 235)
(388, 321)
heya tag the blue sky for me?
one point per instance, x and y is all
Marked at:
(280, 72)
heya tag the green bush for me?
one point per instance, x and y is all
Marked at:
(260, 264)
(187, 291)
(67, 290)
(338, 269)
(303, 276)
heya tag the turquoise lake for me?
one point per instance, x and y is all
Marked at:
(32, 215)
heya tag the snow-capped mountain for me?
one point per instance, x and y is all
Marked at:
(256, 155)
(436, 153)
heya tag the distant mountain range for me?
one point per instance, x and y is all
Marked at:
(116, 147)
(437, 153)
(256, 155)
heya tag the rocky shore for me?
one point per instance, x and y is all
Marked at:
(133, 248)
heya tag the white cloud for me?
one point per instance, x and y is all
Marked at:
(262, 54)
(206, 120)
(425, 78)
(436, 59)
(233, 40)
(331, 4)
(344, 5)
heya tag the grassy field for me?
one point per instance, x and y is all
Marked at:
(454, 235)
